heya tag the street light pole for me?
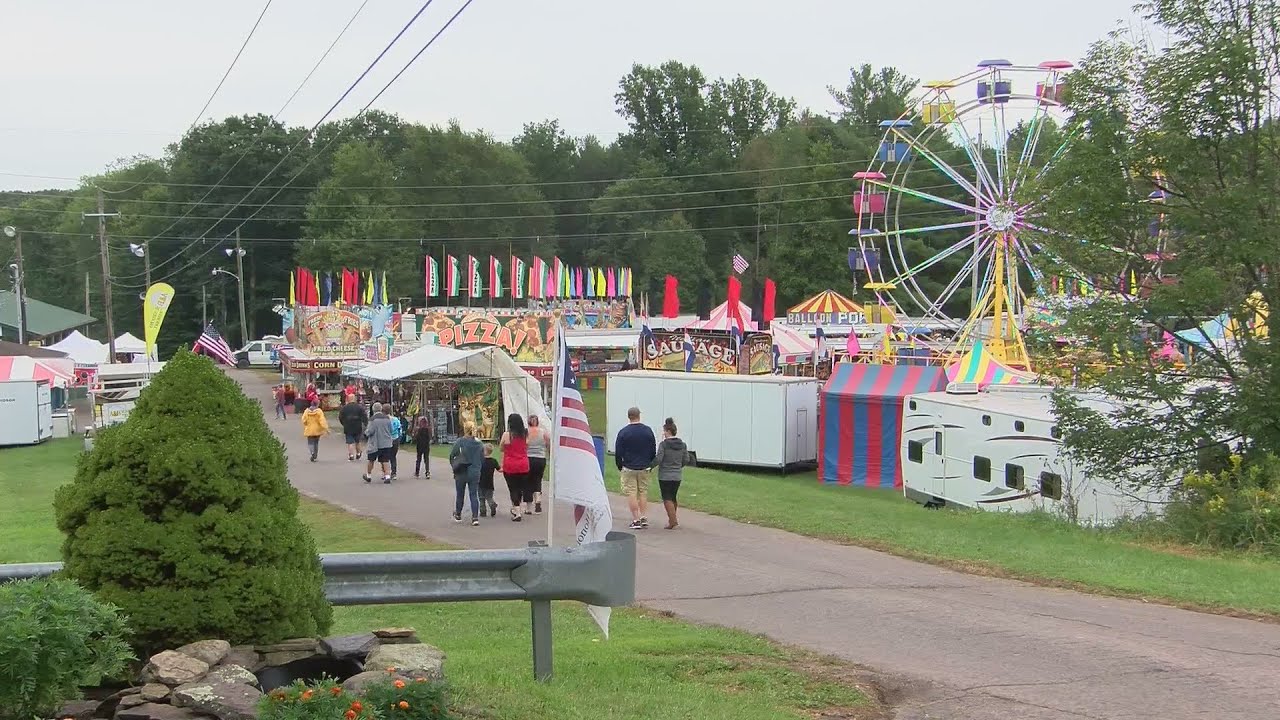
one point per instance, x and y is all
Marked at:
(19, 282)
(102, 216)
(244, 326)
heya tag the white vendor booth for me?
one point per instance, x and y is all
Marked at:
(521, 392)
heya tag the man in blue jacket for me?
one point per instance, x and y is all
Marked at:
(633, 451)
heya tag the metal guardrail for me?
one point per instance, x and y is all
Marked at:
(601, 574)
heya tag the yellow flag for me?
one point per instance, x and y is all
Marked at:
(154, 308)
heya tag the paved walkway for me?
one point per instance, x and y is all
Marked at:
(946, 644)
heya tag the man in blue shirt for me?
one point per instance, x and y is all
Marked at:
(633, 451)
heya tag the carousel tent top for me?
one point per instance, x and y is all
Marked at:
(979, 366)
(521, 392)
(85, 351)
(827, 301)
(719, 318)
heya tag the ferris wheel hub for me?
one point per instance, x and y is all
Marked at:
(1001, 218)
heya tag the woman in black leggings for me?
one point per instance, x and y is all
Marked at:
(539, 440)
(515, 464)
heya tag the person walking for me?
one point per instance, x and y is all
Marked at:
(379, 436)
(539, 441)
(487, 470)
(314, 425)
(353, 419)
(397, 434)
(290, 396)
(466, 458)
(312, 395)
(633, 451)
(422, 443)
(670, 460)
(277, 394)
(515, 464)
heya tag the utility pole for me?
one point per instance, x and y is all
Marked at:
(102, 216)
(86, 293)
(244, 327)
(204, 306)
(146, 263)
(21, 287)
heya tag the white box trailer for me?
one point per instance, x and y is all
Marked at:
(766, 421)
(26, 412)
(1000, 449)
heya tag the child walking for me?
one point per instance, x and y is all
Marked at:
(422, 442)
(314, 425)
(487, 469)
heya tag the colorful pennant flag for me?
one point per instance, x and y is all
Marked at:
(432, 277)
(517, 277)
(386, 295)
(476, 286)
(451, 279)
(611, 284)
(495, 277)
(292, 300)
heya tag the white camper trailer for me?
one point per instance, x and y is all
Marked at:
(752, 420)
(1000, 449)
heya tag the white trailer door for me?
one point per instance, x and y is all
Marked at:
(930, 471)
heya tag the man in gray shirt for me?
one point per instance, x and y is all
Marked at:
(466, 457)
(380, 444)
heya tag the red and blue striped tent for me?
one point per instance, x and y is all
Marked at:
(860, 421)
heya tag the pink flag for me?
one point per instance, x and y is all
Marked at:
(612, 284)
(851, 345)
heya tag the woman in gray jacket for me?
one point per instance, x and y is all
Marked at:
(670, 460)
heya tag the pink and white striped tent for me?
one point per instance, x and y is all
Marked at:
(719, 319)
(58, 371)
(792, 346)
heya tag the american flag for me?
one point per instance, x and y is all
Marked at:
(211, 343)
(577, 475)
(740, 263)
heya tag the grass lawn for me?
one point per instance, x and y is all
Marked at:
(1029, 547)
(653, 666)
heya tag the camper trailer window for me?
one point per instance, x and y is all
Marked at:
(1051, 485)
(1055, 433)
(1014, 477)
(915, 451)
(986, 419)
(1019, 425)
(911, 404)
(982, 468)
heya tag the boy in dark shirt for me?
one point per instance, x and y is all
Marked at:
(487, 469)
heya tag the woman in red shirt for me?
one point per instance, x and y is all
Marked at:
(515, 464)
(312, 395)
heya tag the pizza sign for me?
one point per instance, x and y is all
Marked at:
(526, 337)
(484, 332)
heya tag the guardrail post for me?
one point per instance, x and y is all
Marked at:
(540, 610)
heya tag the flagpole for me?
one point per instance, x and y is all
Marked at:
(555, 431)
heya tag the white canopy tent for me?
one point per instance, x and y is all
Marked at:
(521, 392)
(127, 344)
(85, 351)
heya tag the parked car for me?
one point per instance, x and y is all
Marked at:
(259, 353)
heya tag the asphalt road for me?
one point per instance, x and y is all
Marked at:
(942, 644)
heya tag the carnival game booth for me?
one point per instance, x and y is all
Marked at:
(457, 388)
(596, 353)
(324, 370)
(860, 421)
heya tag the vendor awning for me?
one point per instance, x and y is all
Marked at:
(827, 302)
(521, 392)
(792, 346)
(59, 372)
(602, 340)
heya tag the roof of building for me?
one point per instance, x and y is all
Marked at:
(14, 349)
(42, 318)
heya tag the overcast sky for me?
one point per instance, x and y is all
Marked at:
(86, 82)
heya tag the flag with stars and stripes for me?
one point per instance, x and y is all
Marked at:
(576, 473)
(740, 263)
(211, 343)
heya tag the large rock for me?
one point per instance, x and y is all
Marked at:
(396, 636)
(225, 701)
(157, 711)
(210, 652)
(233, 674)
(244, 656)
(349, 647)
(283, 653)
(173, 668)
(129, 701)
(78, 710)
(153, 692)
(357, 683)
(416, 660)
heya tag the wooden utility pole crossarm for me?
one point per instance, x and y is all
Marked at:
(102, 216)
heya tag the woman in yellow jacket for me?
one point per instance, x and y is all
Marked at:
(314, 425)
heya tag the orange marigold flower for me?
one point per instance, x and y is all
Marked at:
(399, 684)
(356, 706)
(336, 690)
(350, 715)
(306, 695)
(404, 705)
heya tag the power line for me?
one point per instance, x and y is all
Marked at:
(310, 132)
(362, 111)
(258, 139)
(212, 95)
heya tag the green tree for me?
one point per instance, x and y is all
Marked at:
(184, 518)
(675, 248)
(873, 96)
(1144, 119)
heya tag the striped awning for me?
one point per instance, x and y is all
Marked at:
(827, 301)
(979, 366)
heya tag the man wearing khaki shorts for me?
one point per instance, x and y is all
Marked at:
(633, 452)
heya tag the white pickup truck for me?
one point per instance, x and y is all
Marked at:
(260, 353)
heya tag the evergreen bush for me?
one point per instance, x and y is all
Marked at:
(55, 637)
(184, 517)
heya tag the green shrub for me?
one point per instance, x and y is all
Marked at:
(183, 517)
(1237, 508)
(55, 637)
(407, 699)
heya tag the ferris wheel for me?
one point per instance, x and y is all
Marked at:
(947, 206)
